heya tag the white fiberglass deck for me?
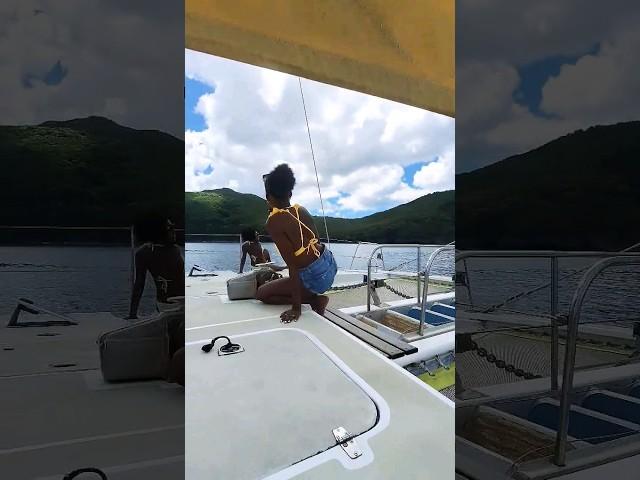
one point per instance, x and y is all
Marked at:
(282, 390)
(272, 414)
(57, 413)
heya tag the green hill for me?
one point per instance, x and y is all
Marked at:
(428, 219)
(88, 172)
(223, 211)
(578, 192)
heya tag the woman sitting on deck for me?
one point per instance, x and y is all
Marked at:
(161, 257)
(312, 267)
(251, 246)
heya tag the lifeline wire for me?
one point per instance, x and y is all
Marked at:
(306, 119)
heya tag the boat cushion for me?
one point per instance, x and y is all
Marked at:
(140, 351)
(243, 286)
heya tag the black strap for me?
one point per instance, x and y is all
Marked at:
(75, 473)
(229, 347)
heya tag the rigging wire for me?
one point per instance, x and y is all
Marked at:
(306, 119)
(526, 293)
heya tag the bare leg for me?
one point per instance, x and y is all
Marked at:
(319, 304)
(176, 368)
(278, 292)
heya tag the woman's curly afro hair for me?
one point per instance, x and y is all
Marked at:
(280, 182)
(248, 234)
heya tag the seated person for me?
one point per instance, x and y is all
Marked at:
(251, 246)
(161, 257)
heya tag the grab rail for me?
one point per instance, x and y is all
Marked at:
(552, 256)
(572, 337)
(418, 248)
(427, 271)
(356, 252)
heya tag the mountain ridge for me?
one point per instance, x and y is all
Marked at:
(571, 193)
(428, 219)
(88, 171)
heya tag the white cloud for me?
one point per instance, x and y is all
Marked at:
(497, 38)
(255, 120)
(604, 87)
(437, 175)
(114, 54)
(272, 88)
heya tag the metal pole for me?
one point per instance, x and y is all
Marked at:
(570, 348)
(466, 272)
(418, 270)
(425, 290)
(369, 279)
(396, 245)
(567, 382)
(132, 267)
(354, 256)
(555, 335)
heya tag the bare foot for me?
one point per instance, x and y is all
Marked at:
(319, 303)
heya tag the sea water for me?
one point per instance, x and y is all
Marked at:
(69, 279)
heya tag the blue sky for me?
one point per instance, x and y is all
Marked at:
(535, 75)
(372, 154)
(193, 91)
(53, 76)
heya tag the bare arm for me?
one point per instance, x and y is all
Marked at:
(138, 285)
(286, 250)
(244, 257)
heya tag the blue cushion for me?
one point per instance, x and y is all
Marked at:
(431, 317)
(582, 425)
(444, 309)
(624, 408)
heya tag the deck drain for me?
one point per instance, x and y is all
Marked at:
(51, 334)
(8, 348)
(62, 365)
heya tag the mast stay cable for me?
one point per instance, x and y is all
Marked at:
(306, 118)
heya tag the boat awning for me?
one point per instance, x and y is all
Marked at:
(401, 50)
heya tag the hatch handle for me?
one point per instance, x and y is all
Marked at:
(347, 442)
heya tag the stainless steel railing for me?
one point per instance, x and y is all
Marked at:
(621, 259)
(354, 256)
(427, 271)
(553, 257)
(418, 247)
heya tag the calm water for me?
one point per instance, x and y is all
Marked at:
(226, 256)
(70, 279)
(85, 279)
(613, 296)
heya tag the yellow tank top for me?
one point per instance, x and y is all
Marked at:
(312, 245)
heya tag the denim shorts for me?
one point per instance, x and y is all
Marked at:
(318, 277)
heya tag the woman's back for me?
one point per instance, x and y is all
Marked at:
(298, 225)
(166, 265)
(255, 251)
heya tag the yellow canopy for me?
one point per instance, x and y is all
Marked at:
(402, 50)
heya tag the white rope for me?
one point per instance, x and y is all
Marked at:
(306, 119)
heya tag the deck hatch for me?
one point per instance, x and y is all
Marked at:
(285, 389)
